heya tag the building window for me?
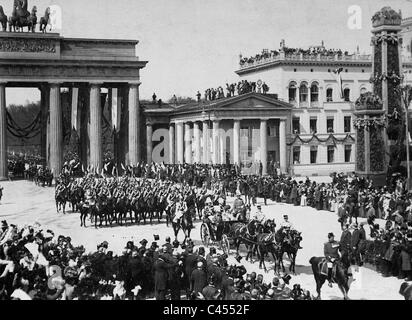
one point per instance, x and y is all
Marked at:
(329, 125)
(331, 154)
(346, 70)
(347, 124)
(313, 124)
(313, 154)
(311, 70)
(303, 90)
(292, 92)
(314, 93)
(348, 153)
(346, 94)
(296, 155)
(294, 70)
(296, 125)
(329, 95)
(272, 131)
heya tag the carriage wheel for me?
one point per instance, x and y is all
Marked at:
(225, 245)
(205, 234)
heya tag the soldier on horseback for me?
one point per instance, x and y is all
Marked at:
(181, 208)
(259, 216)
(331, 252)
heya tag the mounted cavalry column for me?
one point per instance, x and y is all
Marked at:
(134, 124)
(3, 133)
(56, 130)
(95, 127)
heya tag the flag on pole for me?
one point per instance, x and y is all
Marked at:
(338, 76)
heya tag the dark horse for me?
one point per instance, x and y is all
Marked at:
(289, 244)
(246, 234)
(266, 243)
(339, 276)
(185, 223)
(61, 199)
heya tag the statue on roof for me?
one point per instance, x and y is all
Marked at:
(386, 16)
(21, 17)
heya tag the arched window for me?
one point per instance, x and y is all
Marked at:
(292, 92)
(303, 91)
(346, 94)
(314, 92)
(329, 95)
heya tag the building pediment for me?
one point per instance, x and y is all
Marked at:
(245, 102)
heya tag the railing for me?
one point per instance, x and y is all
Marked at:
(302, 57)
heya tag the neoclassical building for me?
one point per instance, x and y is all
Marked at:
(306, 125)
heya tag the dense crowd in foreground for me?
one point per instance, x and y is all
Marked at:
(36, 264)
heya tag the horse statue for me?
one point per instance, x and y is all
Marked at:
(3, 19)
(44, 21)
(340, 276)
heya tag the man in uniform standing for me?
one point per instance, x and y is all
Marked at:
(331, 251)
(345, 245)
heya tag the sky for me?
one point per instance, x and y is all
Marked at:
(195, 44)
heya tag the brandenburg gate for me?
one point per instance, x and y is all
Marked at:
(50, 63)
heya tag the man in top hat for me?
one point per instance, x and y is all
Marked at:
(331, 252)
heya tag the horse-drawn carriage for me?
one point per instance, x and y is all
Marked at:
(218, 233)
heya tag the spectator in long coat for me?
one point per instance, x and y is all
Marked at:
(161, 276)
(198, 279)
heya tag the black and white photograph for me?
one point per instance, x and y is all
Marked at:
(230, 151)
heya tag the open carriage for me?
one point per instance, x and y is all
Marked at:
(212, 234)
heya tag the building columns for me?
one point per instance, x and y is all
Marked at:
(206, 142)
(96, 158)
(3, 133)
(196, 133)
(56, 130)
(134, 124)
(264, 145)
(236, 142)
(171, 144)
(149, 142)
(179, 142)
(282, 145)
(215, 144)
(188, 144)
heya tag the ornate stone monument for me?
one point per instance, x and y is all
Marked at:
(377, 113)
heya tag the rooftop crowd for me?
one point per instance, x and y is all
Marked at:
(242, 87)
(312, 51)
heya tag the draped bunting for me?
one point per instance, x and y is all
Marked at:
(28, 132)
(331, 137)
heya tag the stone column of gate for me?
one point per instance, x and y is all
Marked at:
(96, 158)
(3, 133)
(149, 142)
(215, 144)
(179, 143)
(134, 125)
(188, 144)
(56, 130)
(205, 142)
(236, 142)
(196, 133)
(264, 145)
(282, 145)
(171, 143)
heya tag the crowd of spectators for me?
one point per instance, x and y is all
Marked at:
(36, 264)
